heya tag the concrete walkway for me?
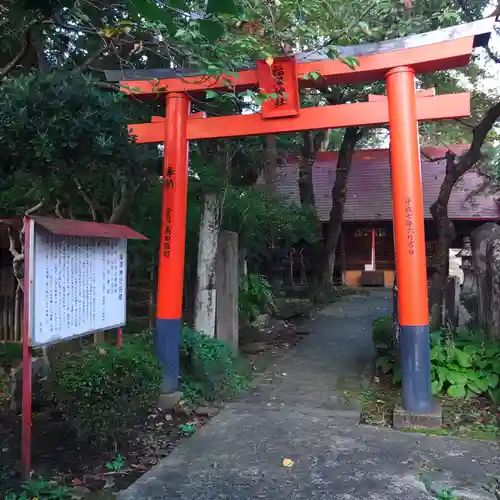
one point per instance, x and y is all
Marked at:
(298, 410)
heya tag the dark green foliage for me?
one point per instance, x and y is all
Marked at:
(388, 363)
(10, 355)
(268, 226)
(463, 366)
(41, 490)
(65, 142)
(104, 391)
(255, 296)
(209, 370)
(383, 330)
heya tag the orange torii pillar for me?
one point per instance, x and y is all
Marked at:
(409, 234)
(172, 240)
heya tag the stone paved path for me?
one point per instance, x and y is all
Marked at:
(298, 410)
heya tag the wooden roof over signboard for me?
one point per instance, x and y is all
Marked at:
(70, 227)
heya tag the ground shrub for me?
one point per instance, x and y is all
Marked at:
(209, 369)
(104, 391)
(382, 330)
(5, 391)
(40, 489)
(464, 365)
(255, 296)
(11, 355)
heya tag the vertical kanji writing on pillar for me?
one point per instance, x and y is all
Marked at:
(167, 238)
(410, 231)
(169, 181)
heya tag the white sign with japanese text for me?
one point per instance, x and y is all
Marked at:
(77, 285)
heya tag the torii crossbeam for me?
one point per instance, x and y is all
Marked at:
(396, 62)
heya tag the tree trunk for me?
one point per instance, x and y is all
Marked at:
(455, 168)
(446, 233)
(306, 188)
(312, 143)
(270, 166)
(325, 142)
(334, 226)
(205, 302)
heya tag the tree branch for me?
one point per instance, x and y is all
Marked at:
(464, 123)
(470, 17)
(57, 210)
(107, 86)
(431, 159)
(91, 59)
(481, 131)
(22, 53)
(17, 258)
(34, 209)
(353, 24)
(68, 27)
(120, 209)
(88, 201)
(494, 57)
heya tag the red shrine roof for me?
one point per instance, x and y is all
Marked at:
(369, 195)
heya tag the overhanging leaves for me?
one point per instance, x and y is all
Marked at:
(150, 11)
(221, 7)
(179, 4)
(211, 30)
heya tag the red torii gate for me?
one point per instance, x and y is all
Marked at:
(396, 62)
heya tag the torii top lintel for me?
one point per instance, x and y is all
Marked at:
(434, 51)
(438, 50)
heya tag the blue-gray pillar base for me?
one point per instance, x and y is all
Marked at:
(416, 368)
(167, 345)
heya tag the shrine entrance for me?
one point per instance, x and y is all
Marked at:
(395, 61)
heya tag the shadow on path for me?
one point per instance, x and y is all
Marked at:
(298, 409)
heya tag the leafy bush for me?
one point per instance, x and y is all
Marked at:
(389, 365)
(255, 296)
(105, 391)
(5, 391)
(41, 490)
(209, 370)
(466, 365)
(382, 330)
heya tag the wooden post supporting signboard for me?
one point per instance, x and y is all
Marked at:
(26, 417)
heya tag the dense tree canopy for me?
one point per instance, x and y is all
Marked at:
(64, 147)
